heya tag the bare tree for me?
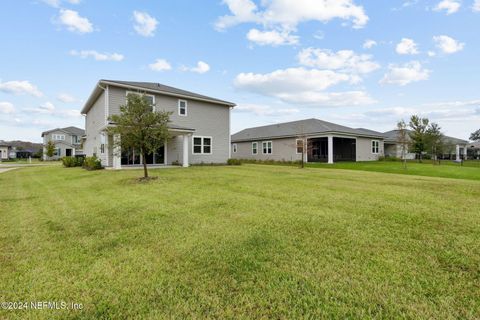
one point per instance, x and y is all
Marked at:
(403, 140)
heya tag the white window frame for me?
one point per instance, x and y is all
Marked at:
(271, 147)
(186, 107)
(234, 148)
(58, 137)
(202, 145)
(375, 146)
(256, 148)
(296, 146)
(154, 106)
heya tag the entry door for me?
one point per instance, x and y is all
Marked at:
(68, 152)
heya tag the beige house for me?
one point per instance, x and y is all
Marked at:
(67, 142)
(199, 127)
(5, 151)
(323, 141)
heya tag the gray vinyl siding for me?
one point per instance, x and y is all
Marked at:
(364, 149)
(282, 150)
(63, 145)
(207, 119)
(94, 124)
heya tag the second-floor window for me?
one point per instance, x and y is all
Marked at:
(58, 137)
(149, 97)
(75, 139)
(182, 108)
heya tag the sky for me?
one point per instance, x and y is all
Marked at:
(359, 63)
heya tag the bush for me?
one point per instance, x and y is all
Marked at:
(272, 162)
(69, 162)
(92, 163)
(234, 162)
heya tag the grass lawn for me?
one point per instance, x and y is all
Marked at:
(447, 169)
(243, 242)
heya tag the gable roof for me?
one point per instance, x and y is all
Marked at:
(74, 131)
(152, 87)
(391, 136)
(301, 127)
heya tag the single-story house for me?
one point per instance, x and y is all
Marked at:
(199, 125)
(67, 142)
(324, 142)
(454, 148)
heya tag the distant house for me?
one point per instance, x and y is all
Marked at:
(67, 142)
(473, 149)
(324, 141)
(199, 125)
(6, 152)
(454, 148)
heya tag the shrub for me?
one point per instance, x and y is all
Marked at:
(175, 163)
(92, 163)
(69, 162)
(234, 162)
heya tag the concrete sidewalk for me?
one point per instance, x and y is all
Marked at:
(2, 170)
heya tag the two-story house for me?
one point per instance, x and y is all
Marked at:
(199, 125)
(68, 142)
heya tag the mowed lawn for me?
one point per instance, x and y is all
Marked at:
(447, 169)
(242, 242)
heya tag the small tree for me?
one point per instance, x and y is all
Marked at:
(402, 138)
(139, 127)
(434, 140)
(475, 136)
(418, 128)
(50, 148)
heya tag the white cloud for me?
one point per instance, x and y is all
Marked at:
(450, 6)
(201, 67)
(273, 38)
(160, 65)
(66, 98)
(476, 6)
(304, 86)
(265, 110)
(447, 44)
(6, 107)
(20, 87)
(406, 46)
(431, 53)
(405, 74)
(97, 55)
(56, 3)
(145, 24)
(368, 44)
(74, 22)
(49, 108)
(344, 60)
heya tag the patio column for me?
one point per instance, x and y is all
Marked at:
(330, 149)
(185, 150)
(457, 152)
(117, 152)
(465, 152)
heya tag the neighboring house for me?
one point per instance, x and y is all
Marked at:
(473, 149)
(199, 127)
(67, 142)
(324, 141)
(6, 152)
(454, 148)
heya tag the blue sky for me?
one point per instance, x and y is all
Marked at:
(353, 62)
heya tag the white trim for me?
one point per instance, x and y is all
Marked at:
(296, 146)
(256, 143)
(271, 147)
(186, 107)
(229, 135)
(202, 145)
(58, 137)
(330, 149)
(154, 106)
(107, 103)
(234, 148)
(377, 147)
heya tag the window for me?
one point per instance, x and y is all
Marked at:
(299, 143)
(102, 143)
(149, 97)
(202, 145)
(75, 139)
(267, 147)
(254, 147)
(58, 152)
(234, 148)
(182, 108)
(58, 137)
(375, 146)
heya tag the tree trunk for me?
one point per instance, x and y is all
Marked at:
(145, 170)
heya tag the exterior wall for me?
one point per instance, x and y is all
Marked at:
(208, 119)
(282, 150)
(364, 149)
(4, 153)
(95, 122)
(63, 145)
(395, 150)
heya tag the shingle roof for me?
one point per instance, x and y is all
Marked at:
(71, 130)
(391, 136)
(296, 128)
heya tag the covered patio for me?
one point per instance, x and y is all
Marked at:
(331, 149)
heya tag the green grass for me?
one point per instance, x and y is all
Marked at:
(242, 242)
(447, 169)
